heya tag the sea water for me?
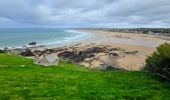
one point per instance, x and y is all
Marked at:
(42, 36)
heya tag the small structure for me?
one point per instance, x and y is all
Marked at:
(157, 32)
(48, 60)
(150, 32)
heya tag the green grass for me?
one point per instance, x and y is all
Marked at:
(20, 79)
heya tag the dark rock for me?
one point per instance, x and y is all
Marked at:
(72, 55)
(95, 50)
(80, 53)
(38, 52)
(32, 43)
(90, 55)
(78, 59)
(113, 68)
(131, 52)
(78, 56)
(66, 54)
(114, 53)
(27, 52)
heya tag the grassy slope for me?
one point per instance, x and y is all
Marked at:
(69, 81)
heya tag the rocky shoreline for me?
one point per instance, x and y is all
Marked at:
(91, 55)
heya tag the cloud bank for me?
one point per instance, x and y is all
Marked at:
(85, 13)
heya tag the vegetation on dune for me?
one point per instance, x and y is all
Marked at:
(21, 79)
(159, 62)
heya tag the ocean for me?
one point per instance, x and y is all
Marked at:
(42, 36)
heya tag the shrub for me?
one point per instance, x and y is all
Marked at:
(159, 62)
(2, 51)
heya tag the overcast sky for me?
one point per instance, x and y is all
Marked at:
(85, 13)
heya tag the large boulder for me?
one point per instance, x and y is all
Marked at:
(80, 55)
(66, 54)
(114, 53)
(32, 43)
(72, 55)
(27, 53)
(38, 53)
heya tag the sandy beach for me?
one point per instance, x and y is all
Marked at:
(144, 40)
(145, 44)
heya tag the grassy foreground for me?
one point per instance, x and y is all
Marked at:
(20, 79)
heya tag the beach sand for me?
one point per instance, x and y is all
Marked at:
(145, 44)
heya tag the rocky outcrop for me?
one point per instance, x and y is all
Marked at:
(27, 53)
(100, 57)
(80, 55)
(114, 53)
(72, 55)
(95, 50)
(32, 43)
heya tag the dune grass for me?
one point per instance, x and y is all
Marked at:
(20, 79)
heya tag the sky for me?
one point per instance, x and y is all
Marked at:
(85, 13)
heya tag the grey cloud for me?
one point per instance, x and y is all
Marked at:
(85, 13)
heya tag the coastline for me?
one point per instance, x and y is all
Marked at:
(132, 51)
(41, 37)
(145, 44)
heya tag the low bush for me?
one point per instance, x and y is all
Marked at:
(2, 51)
(159, 62)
